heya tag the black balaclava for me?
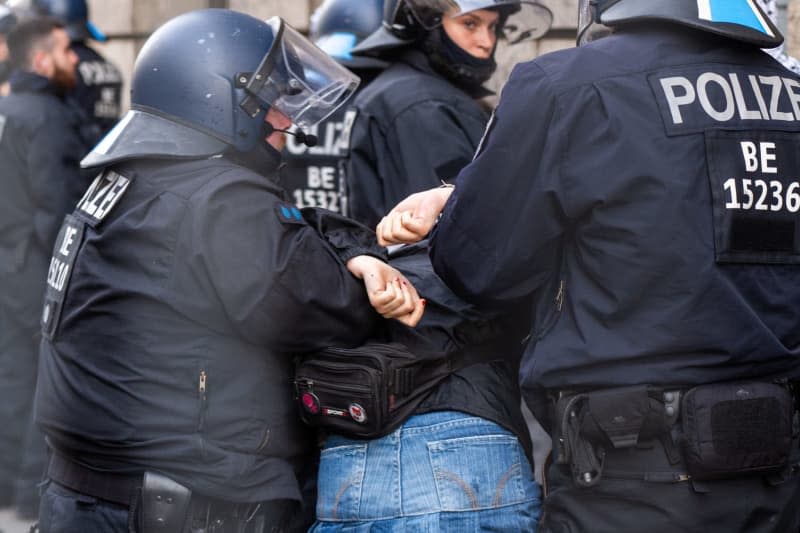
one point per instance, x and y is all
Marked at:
(456, 64)
(263, 158)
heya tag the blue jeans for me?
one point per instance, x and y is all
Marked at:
(441, 471)
(65, 511)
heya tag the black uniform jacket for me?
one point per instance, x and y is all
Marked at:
(176, 295)
(98, 91)
(40, 153)
(413, 129)
(645, 197)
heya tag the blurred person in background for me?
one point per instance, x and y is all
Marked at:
(420, 121)
(7, 21)
(99, 88)
(314, 170)
(183, 284)
(40, 151)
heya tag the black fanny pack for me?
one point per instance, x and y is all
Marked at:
(367, 391)
(734, 429)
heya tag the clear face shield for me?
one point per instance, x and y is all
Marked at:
(588, 29)
(524, 20)
(297, 79)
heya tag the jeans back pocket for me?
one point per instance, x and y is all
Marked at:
(482, 472)
(341, 476)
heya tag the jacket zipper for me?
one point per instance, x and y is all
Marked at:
(560, 295)
(201, 388)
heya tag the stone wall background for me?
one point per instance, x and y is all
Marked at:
(128, 23)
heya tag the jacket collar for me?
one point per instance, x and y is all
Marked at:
(25, 81)
(417, 60)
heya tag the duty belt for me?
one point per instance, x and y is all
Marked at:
(594, 427)
(121, 489)
(158, 503)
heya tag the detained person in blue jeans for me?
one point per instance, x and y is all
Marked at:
(461, 462)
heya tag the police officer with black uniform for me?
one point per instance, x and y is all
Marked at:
(314, 172)
(181, 285)
(420, 121)
(645, 200)
(99, 88)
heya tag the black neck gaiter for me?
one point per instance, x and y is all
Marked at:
(262, 159)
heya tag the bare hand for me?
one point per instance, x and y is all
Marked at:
(412, 219)
(389, 292)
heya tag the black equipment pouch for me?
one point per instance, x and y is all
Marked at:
(735, 429)
(164, 504)
(367, 391)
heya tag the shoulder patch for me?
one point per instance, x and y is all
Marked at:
(289, 214)
(101, 197)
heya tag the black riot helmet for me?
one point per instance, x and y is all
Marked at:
(405, 21)
(203, 82)
(75, 16)
(741, 20)
(7, 19)
(337, 26)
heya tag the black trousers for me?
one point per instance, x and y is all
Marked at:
(638, 493)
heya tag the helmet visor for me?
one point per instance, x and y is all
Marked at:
(338, 45)
(524, 20)
(588, 29)
(298, 79)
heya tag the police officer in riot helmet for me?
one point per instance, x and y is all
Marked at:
(7, 21)
(99, 88)
(420, 121)
(314, 172)
(182, 284)
(645, 201)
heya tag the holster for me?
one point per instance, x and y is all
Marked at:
(592, 422)
(164, 505)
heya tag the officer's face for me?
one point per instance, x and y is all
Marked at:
(475, 32)
(279, 121)
(3, 48)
